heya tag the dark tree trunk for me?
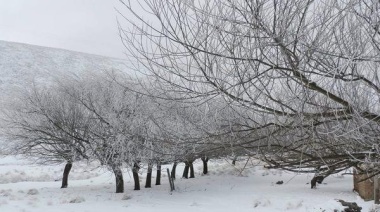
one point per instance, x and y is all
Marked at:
(320, 176)
(158, 176)
(315, 180)
(66, 173)
(119, 179)
(186, 170)
(205, 167)
(173, 170)
(171, 181)
(148, 182)
(191, 169)
(234, 160)
(135, 171)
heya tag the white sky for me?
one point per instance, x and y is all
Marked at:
(80, 25)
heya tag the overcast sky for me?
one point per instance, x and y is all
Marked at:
(81, 25)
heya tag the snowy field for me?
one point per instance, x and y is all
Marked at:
(28, 187)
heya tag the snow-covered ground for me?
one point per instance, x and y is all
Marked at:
(25, 186)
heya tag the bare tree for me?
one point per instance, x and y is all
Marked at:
(116, 121)
(303, 73)
(48, 126)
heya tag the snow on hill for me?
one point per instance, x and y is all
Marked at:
(23, 64)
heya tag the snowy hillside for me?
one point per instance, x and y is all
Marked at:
(22, 64)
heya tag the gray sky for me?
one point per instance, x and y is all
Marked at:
(80, 25)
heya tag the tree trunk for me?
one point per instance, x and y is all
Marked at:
(315, 180)
(171, 181)
(205, 167)
(186, 170)
(158, 176)
(119, 179)
(148, 182)
(191, 169)
(135, 171)
(234, 160)
(66, 172)
(173, 170)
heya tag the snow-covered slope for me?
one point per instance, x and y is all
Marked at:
(23, 64)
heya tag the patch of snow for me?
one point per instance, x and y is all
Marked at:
(32, 191)
(77, 200)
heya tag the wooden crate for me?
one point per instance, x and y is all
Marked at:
(364, 188)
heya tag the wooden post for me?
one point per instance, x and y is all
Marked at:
(171, 182)
(376, 187)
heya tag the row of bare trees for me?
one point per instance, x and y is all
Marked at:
(101, 117)
(294, 83)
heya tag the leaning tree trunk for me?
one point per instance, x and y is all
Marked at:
(66, 173)
(191, 169)
(158, 176)
(205, 167)
(186, 170)
(172, 174)
(319, 177)
(315, 180)
(119, 179)
(135, 171)
(148, 182)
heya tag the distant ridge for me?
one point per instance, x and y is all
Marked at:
(59, 49)
(23, 64)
